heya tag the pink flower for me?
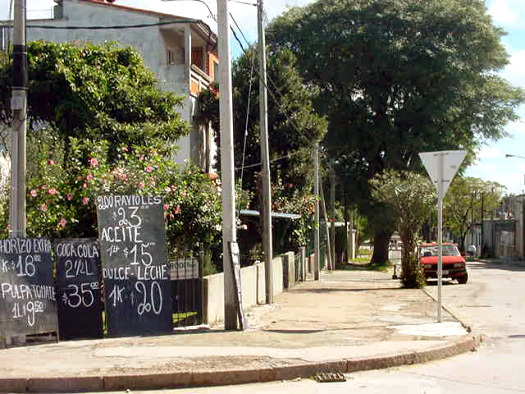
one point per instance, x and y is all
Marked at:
(50, 162)
(52, 191)
(89, 177)
(85, 200)
(62, 223)
(149, 169)
(32, 193)
(141, 185)
(125, 149)
(177, 210)
(93, 162)
(43, 207)
(166, 207)
(69, 196)
(84, 185)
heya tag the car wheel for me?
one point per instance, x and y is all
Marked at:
(463, 279)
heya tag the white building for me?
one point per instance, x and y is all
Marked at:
(180, 51)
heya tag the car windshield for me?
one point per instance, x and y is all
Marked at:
(432, 250)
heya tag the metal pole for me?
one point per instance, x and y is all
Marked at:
(17, 213)
(440, 235)
(265, 158)
(482, 230)
(316, 229)
(228, 189)
(332, 209)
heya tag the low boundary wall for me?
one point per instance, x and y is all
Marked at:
(253, 284)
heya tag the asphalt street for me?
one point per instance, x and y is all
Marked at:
(491, 302)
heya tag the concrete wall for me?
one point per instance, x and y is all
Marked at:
(253, 288)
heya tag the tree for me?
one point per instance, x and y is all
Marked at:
(412, 199)
(98, 92)
(395, 78)
(465, 197)
(293, 127)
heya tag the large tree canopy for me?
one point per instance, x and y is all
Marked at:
(95, 92)
(293, 126)
(398, 77)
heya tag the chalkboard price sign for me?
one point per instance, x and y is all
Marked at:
(27, 290)
(136, 274)
(78, 288)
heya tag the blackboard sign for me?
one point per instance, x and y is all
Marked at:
(27, 290)
(78, 288)
(135, 270)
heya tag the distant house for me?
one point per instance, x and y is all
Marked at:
(503, 235)
(183, 54)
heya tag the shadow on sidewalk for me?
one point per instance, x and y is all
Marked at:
(334, 290)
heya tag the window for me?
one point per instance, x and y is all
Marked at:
(170, 56)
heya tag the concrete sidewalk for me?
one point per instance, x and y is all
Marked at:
(348, 321)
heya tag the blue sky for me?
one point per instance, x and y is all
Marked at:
(508, 14)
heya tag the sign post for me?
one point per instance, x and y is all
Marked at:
(441, 166)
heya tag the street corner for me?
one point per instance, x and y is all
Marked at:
(434, 330)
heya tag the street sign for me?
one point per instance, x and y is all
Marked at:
(442, 166)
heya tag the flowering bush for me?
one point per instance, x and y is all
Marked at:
(60, 200)
(289, 199)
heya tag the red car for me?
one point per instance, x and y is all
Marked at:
(454, 266)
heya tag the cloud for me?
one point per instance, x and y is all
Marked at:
(502, 13)
(507, 13)
(489, 152)
(516, 129)
(513, 72)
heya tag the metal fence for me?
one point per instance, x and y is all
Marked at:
(186, 291)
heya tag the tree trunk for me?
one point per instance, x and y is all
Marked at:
(412, 277)
(381, 243)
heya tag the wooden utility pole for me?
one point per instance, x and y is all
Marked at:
(332, 213)
(266, 213)
(316, 229)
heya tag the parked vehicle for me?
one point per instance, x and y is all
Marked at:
(454, 266)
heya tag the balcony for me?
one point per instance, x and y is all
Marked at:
(199, 80)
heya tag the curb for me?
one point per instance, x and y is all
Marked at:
(466, 326)
(237, 376)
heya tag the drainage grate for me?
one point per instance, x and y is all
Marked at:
(329, 377)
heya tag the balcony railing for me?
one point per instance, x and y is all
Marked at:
(199, 80)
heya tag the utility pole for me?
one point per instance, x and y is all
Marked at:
(332, 208)
(316, 229)
(229, 235)
(17, 213)
(482, 254)
(265, 158)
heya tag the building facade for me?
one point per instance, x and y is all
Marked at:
(181, 52)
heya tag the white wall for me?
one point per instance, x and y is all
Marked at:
(252, 285)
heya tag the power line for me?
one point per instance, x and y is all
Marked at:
(274, 97)
(138, 26)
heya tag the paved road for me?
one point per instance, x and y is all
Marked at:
(492, 302)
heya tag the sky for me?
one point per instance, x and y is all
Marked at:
(492, 165)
